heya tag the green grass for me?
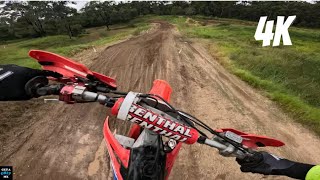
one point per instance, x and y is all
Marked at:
(16, 52)
(289, 75)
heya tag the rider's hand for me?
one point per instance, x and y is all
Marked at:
(264, 163)
(268, 164)
(13, 79)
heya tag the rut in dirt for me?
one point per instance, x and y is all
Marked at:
(61, 141)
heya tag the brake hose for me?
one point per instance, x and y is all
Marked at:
(174, 111)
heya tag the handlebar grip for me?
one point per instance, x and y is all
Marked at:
(38, 86)
(49, 90)
(256, 157)
(35, 83)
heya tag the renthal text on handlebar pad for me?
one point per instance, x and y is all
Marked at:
(161, 125)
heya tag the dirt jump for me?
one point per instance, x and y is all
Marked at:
(60, 141)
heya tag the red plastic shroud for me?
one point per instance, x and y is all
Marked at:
(161, 88)
(67, 67)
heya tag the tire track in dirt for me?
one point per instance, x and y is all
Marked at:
(66, 142)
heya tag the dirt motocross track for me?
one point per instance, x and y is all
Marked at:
(59, 141)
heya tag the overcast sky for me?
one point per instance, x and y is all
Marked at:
(80, 4)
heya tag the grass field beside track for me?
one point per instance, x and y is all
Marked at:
(289, 75)
(16, 52)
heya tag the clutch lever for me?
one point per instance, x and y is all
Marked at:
(38, 86)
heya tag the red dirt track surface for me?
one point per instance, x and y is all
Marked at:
(60, 141)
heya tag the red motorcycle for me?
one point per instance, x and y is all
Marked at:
(158, 130)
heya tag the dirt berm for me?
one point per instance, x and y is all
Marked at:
(59, 141)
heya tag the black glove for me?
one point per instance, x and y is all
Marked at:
(268, 164)
(13, 79)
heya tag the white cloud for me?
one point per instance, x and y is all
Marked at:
(79, 5)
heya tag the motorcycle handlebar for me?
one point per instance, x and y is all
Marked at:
(88, 96)
(71, 93)
(226, 150)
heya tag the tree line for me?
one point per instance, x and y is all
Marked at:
(21, 19)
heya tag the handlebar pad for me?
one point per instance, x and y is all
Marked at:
(157, 123)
